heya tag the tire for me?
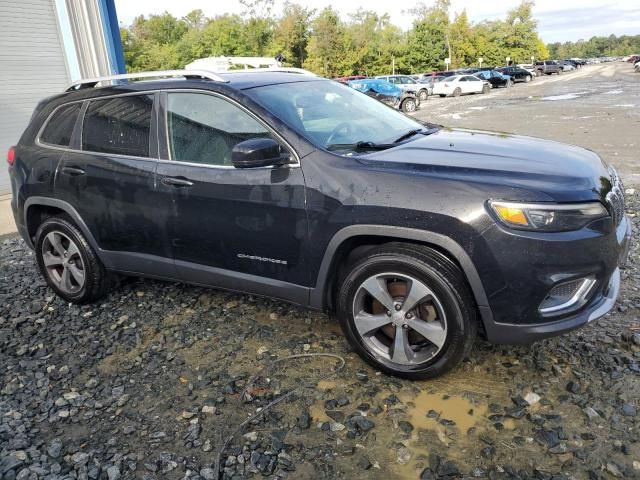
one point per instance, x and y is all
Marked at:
(486, 89)
(527, 79)
(442, 95)
(450, 315)
(409, 105)
(457, 92)
(423, 95)
(68, 251)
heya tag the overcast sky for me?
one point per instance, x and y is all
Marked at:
(559, 20)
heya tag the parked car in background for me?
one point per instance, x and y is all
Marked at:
(461, 85)
(495, 78)
(387, 93)
(566, 66)
(547, 67)
(637, 66)
(529, 68)
(634, 59)
(517, 74)
(405, 82)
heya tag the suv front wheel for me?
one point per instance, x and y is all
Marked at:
(407, 310)
(68, 263)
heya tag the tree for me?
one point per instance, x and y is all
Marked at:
(463, 50)
(428, 43)
(325, 51)
(292, 34)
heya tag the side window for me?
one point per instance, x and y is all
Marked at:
(205, 128)
(59, 129)
(119, 125)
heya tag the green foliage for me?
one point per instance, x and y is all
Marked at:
(365, 43)
(610, 46)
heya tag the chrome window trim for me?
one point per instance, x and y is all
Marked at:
(42, 144)
(242, 107)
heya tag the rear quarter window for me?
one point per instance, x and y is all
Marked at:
(119, 125)
(59, 127)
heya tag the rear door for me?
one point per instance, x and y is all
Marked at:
(236, 228)
(107, 175)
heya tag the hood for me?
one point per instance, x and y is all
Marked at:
(555, 171)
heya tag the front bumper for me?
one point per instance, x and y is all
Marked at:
(600, 305)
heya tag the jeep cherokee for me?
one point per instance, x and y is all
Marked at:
(417, 237)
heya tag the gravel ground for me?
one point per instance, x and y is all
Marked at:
(153, 381)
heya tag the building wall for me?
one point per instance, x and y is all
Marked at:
(32, 67)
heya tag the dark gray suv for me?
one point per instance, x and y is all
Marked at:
(417, 237)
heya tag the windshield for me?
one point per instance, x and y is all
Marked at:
(328, 113)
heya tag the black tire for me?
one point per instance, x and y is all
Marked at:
(97, 280)
(445, 280)
(442, 95)
(457, 92)
(409, 105)
(423, 95)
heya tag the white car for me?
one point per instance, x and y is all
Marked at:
(637, 67)
(408, 84)
(460, 85)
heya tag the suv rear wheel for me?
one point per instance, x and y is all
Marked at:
(407, 310)
(68, 263)
(423, 95)
(409, 105)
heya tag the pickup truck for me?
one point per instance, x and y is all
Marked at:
(547, 67)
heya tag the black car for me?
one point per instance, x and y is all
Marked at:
(495, 78)
(299, 188)
(517, 74)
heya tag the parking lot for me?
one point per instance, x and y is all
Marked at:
(155, 380)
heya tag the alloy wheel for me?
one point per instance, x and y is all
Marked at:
(63, 262)
(399, 318)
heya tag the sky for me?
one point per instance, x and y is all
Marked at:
(558, 20)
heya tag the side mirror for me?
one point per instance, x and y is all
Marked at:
(258, 152)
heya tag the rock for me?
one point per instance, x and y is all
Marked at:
(550, 438)
(629, 410)
(336, 427)
(335, 415)
(113, 472)
(427, 474)
(208, 474)
(304, 421)
(251, 436)
(405, 426)
(488, 452)
(448, 469)
(209, 410)
(591, 413)
(403, 456)
(360, 423)
(80, 458)
(362, 376)
(613, 469)
(573, 387)
(532, 398)
(55, 448)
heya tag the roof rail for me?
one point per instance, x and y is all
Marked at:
(92, 82)
(301, 71)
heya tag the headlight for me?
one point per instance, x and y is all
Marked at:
(548, 217)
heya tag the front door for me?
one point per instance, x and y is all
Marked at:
(242, 228)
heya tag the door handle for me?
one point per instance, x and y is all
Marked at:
(176, 182)
(73, 171)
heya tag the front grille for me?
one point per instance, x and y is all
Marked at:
(567, 289)
(615, 198)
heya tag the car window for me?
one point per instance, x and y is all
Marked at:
(473, 79)
(463, 79)
(119, 125)
(408, 80)
(59, 129)
(204, 128)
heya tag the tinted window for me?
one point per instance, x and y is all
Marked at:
(118, 125)
(60, 127)
(204, 128)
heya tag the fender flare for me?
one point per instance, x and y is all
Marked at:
(69, 210)
(317, 294)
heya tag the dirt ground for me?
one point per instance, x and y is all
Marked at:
(151, 381)
(596, 107)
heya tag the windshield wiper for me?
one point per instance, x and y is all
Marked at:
(416, 131)
(359, 146)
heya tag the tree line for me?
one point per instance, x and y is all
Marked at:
(610, 46)
(364, 43)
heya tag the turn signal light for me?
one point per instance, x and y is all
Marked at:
(11, 156)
